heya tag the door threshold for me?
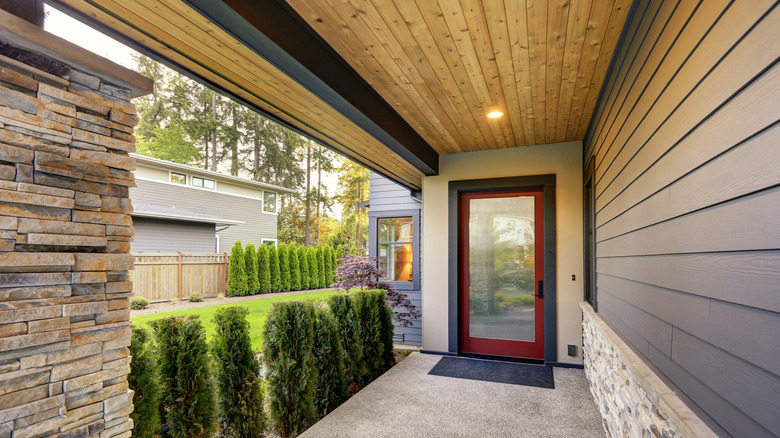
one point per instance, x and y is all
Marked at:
(503, 358)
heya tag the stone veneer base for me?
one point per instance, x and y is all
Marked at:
(632, 399)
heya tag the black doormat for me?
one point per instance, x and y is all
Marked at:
(495, 371)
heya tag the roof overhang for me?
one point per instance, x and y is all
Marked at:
(171, 213)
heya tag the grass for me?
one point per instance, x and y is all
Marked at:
(258, 309)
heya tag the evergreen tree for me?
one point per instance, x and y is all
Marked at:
(314, 270)
(353, 189)
(330, 265)
(329, 356)
(303, 262)
(321, 267)
(273, 263)
(250, 260)
(143, 380)
(264, 269)
(188, 403)
(240, 393)
(295, 267)
(237, 281)
(284, 268)
(349, 332)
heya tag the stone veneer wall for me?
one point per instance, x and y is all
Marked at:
(65, 229)
(632, 399)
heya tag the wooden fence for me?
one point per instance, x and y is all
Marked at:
(161, 277)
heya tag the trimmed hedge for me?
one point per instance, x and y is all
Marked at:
(291, 372)
(263, 269)
(236, 283)
(240, 393)
(187, 405)
(375, 319)
(284, 268)
(314, 268)
(321, 267)
(143, 380)
(303, 267)
(273, 263)
(349, 332)
(333, 265)
(250, 261)
(332, 382)
(295, 267)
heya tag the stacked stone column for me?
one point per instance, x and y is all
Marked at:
(65, 232)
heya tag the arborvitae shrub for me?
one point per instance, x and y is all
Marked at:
(188, 405)
(273, 263)
(236, 283)
(349, 331)
(288, 350)
(375, 319)
(284, 268)
(303, 263)
(333, 265)
(295, 267)
(264, 269)
(353, 250)
(340, 252)
(240, 394)
(314, 268)
(143, 380)
(329, 356)
(320, 251)
(250, 261)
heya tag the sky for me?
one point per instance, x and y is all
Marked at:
(82, 35)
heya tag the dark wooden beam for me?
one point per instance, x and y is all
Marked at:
(276, 32)
(29, 10)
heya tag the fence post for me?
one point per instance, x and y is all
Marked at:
(179, 276)
(225, 258)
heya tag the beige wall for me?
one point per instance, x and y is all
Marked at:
(562, 159)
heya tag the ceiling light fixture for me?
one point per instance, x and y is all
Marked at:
(495, 114)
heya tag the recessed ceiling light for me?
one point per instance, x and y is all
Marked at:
(495, 114)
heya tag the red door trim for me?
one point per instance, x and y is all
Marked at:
(500, 347)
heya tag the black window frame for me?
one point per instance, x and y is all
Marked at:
(373, 238)
(589, 290)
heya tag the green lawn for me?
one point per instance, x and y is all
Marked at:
(257, 313)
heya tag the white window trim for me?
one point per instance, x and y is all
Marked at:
(264, 241)
(276, 197)
(192, 178)
(170, 178)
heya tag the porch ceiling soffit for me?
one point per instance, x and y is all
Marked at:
(223, 51)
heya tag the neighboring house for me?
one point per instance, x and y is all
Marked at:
(394, 238)
(192, 210)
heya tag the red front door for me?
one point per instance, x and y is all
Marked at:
(501, 271)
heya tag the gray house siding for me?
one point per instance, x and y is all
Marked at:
(168, 236)
(687, 167)
(257, 225)
(388, 199)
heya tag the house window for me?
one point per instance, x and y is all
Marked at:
(589, 234)
(268, 242)
(395, 248)
(203, 182)
(269, 202)
(178, 178)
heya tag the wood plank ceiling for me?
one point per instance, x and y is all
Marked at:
(442, 65)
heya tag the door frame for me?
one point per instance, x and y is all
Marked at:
(547, 184)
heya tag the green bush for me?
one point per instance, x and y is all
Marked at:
(284, 268)
(303, 263)
(187, 404)
(321, 267)
(264, 269)
(143, 380)
(240, 394)
(295, 267)
(236, 283)
(333, 266)
(174, 301)
(273, 263)
(314, 269)
(196, 297)
(291, 371)
(375, 319)
(339, 252)
(250, 263)
(349, 331)
(139, 303)
(329, 356)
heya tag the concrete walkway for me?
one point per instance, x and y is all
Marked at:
(407, 402)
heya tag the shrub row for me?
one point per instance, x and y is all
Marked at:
(270, 269)
(177, 397)
(316, 354)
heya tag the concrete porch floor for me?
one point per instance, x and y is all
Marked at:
(407, 402)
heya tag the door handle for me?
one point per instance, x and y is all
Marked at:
(541, 289)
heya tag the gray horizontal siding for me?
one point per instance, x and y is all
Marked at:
(687, 181)
(257, 225)
(385, 195)
(166, 236)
